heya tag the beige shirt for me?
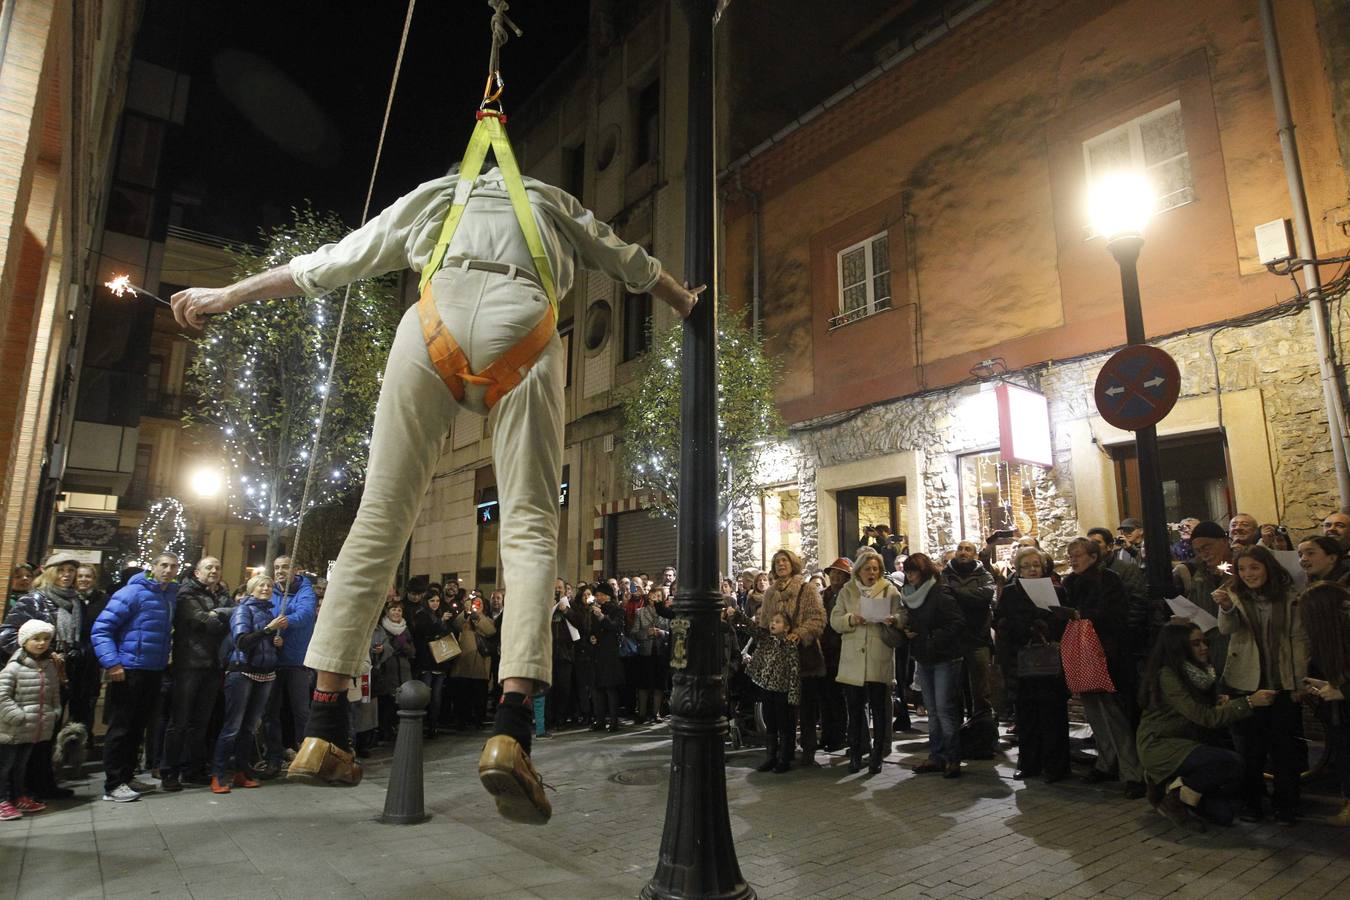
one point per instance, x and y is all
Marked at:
(404, 236)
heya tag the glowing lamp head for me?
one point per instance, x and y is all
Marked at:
(1119, 204)
(206, 482)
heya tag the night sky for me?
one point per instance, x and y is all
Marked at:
(286, 99)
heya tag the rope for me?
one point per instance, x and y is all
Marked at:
(342, 315)
(500, 22)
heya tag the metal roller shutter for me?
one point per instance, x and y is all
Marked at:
(642, 543)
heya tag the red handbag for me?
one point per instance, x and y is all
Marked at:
(1085, 667)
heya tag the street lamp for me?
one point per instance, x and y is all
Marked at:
(206, 482)
(698, 853)
(1119, 206)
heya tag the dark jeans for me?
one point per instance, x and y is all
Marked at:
(245, 701)
(833, 715)
(13, 763)
(435, 681)
(131, 704)
(560, 692)
(1215, 774)
(606, 704)
(1271, 732)
(583, 679)
(877, 699)
(1042, 726)
(190, 706)
(780, 723)
(1338, 735)
(470, 701)
(942, 695)
(904, 676)
(810, 712)
(294, 685)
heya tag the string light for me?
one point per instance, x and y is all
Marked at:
(164, 530)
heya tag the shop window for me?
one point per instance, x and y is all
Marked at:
(996, 496)
(489, 520)
(1195, 478)
(780, 522)
(1155, 144)
(864, 273)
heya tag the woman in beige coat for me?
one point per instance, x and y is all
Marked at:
(472, 670)
(867, 656)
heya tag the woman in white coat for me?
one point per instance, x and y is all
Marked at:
(869, 616)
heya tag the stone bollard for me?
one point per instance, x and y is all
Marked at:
(403, 803)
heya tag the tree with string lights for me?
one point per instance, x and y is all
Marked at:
(747, 415)
(258, 376)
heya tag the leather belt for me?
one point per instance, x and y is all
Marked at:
(485, 265)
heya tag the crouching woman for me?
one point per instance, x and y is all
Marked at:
(1181, 704)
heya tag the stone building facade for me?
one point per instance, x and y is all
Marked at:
(962, 160)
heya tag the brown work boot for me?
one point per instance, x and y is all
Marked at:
(509, 776)
(320, 762)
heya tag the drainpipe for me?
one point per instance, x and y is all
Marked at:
(1303, 235)
(754, 254)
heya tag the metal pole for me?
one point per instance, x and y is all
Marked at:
(1157, 561)
(1307, 249)
(698, 853)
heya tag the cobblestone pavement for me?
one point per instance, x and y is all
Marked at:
(809, 833)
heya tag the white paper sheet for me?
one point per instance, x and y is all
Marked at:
(1188, 610)
(572, 630)
(1041, 591)
(875, 609)
(1289, 559)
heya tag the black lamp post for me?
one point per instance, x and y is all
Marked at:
(698, 854)
(1124, 238)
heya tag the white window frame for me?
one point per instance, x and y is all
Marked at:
(1132, 128)
(873, 305)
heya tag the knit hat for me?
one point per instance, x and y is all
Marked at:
(32, 628)
(842, 564)
(603, 588)
(1209, 530)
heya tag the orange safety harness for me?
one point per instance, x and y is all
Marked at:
(445, 353)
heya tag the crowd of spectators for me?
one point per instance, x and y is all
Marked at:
(1191, 702)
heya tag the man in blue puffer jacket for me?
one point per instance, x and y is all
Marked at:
(294, 604)
(132, 638)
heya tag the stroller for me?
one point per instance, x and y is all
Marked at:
(744, 712)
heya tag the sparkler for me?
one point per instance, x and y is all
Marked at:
(121, 286)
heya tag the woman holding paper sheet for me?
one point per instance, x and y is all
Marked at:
(1042, 700)
(934, 626)
(867, 615)
(1267, 650)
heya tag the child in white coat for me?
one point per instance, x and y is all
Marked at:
(30, 703)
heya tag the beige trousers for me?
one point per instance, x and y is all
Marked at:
(487, 313)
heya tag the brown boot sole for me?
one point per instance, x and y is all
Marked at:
(513, 800)
(320, 764)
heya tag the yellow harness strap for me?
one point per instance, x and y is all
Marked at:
(445, 354)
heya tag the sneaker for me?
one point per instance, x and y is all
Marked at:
(29, 805)
(123, 793)
(9, 811)
(142, 787)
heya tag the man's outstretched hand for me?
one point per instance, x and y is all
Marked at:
(680, 297)
(191, 306)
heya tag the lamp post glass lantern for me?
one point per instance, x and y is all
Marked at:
(1119, 207)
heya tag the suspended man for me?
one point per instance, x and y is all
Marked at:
(482, 336)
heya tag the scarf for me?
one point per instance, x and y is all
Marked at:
(1203, 679)
(913, 597)
(878, 588)
(67, 613)
(394, 629)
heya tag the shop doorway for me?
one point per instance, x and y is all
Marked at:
(876, 504)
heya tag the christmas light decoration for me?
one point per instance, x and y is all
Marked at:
(164, 530)
(259, 373)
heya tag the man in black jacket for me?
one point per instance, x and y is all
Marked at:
(201, 622)
(973, 586)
